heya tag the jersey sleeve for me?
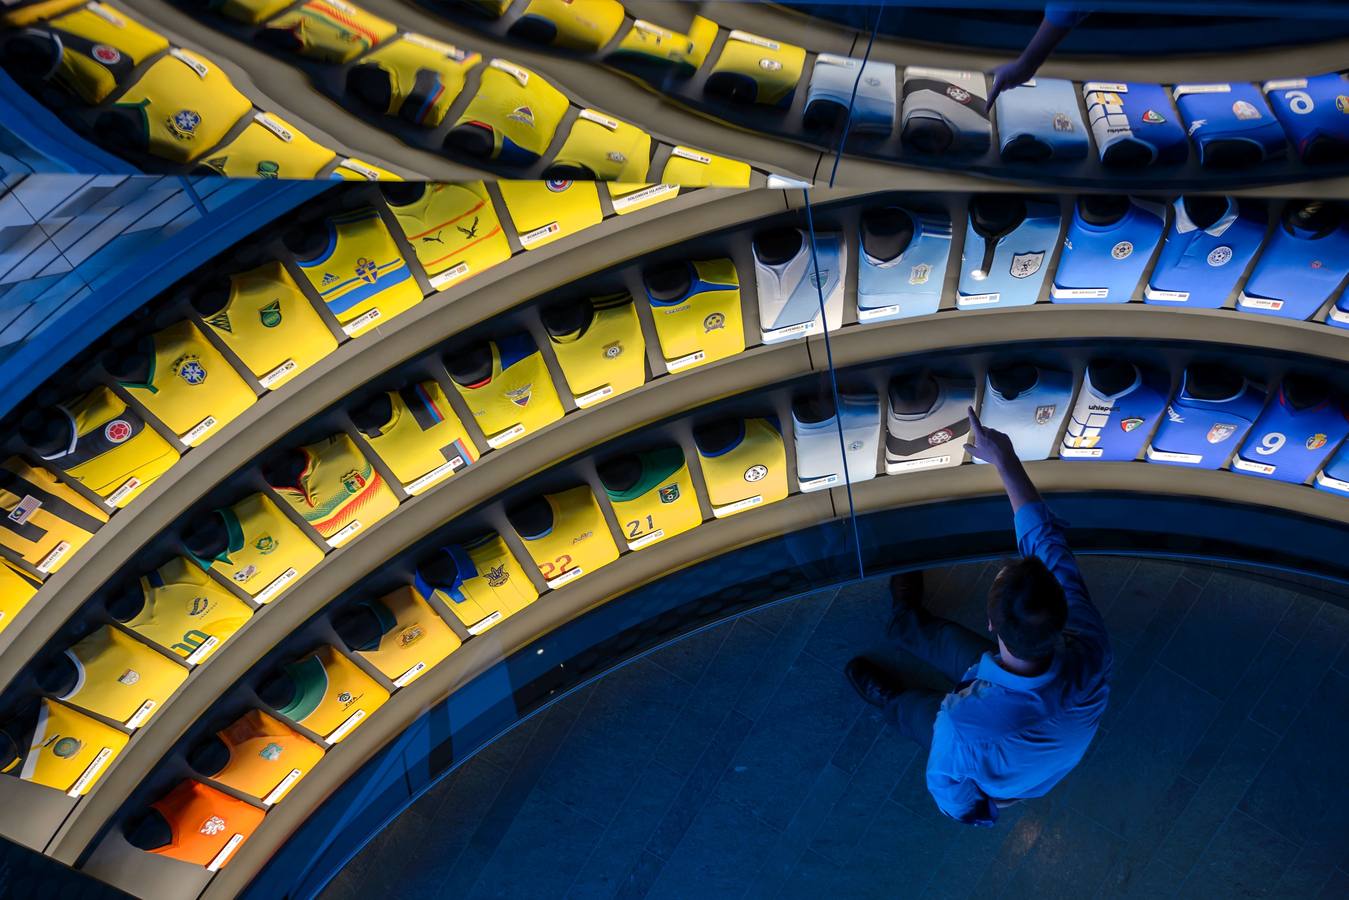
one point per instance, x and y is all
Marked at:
(1039, 533)
(951, 772)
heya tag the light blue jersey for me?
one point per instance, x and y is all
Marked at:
(831, 85)
(1040, 120)
(1008, 269)
(909, 284)
(789, 292)
(818, 463)
(1103, 263)
(1031, 418)
(1200, 267)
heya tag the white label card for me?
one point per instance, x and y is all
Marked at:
(453, 273)
(410, 675)
(485, 623)
(816, 484)
(140, 715)
(225, 853)
(1169, 456)
(195, 65)
(1337, 484)
(569, 575)
(90, 773)
(686, 153)
(799, 330)
(1258, 302)
(530, 238)
(1080, 452)
(644, 540)
(830, 59)
(1248, 466)
(203, 651)
(505, 437)
(754, 39)
(1285, 84)
(347, 533)
(274, 127)
(127, 487)
(1151, 293)
(1113, 87)
(277, 374)
(909, 465)
(344, 729)
(429, 43)
(280, 790)
(361, 321)
(519, 74)
(977, 299)
(266, 594)
(364, 171)
(878, 312)
(737, 506)
(1338, 315)
(595, 396)
(654, 192)
(103, 13)
(435, 476)
(199, 431)
(1183, 89)
(51, 559)
(683, 362)
(598, 118)
(1059, 293)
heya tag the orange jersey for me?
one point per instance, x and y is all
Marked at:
(208, 825)
(267, 756)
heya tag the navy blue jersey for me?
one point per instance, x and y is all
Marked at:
(1134, 123)
(910, 284)
(1231, 124)
(1115, 427)
(1204, 433)
(1200, 267)
(1031, 418)
(1289, 444)
(1299, 270)
(1103, 263)
(1008, 269)
(1040, 120)
(1314, 113)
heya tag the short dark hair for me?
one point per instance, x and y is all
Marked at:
(1027, 608)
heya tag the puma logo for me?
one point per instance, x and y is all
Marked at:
(437, 239)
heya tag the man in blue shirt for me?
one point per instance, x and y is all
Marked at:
(1023, 711)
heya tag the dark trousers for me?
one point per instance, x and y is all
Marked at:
(948, 647)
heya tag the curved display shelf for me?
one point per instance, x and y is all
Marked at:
(758, 368)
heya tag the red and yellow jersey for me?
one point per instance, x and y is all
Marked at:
(111, 451)
(704, 323)
(265, 552)
(414, 77)
(517, 397)
(647, 43)
(120, 678)
(332, 695)
(480, 581)
(45, 521)
(329, 30)
(627, 198)
(338, 492)
(754, 69)
(190, 387)
(423, 441)
(606, 356)
(186, 612)
(16, 589)
(749, 473)
(69, 750)
(660, 504)
(518, 109)
(687, 167)
(584, 25)
(207, 825)
(252, 12)
(269, 147)
(577, 542)
(98, 49)
(270, 324)
(267, 756)
(352, 169)
(360, 275)
(544, 211)
(454, 230)
(605, 149)
(182, 106)
(414, 637)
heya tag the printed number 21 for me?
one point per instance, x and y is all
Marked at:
(555, 568)
(635, 527)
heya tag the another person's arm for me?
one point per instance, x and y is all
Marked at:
(1058, 23)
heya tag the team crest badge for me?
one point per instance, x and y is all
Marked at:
(1128, 425)
(558, 185)
(1342, 104)
(920, 273)
(959, 95)
(265, 544)
(1122, 250)
(353, 481)
(189, 368)
(213, 825)
(1152, 117)
(271, 752)
(1316, 264)
(1043, 414)
(522, 114)
(221, 322)
(1316, 441)
(1062, 123)
(1220, 432)
(1244, 110)
(129, 677)
(1024, 265)
(1220, 256)
(713, 322)
(872, 81)
(109, 56)
(940, 436)
(497, 576)
(410, 635)
(770, 65)
(756, 473)
(268, 169)
(344, 697)
(116, 431)
(855, 445)
(183, 124)
(198, 606)
(520, 396)
(270, 314)
(669, 493)
(66, 747)
(367, 270)
(613, 351)
(245, 573)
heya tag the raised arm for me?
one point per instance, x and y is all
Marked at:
(995, 448)
(1059, 21)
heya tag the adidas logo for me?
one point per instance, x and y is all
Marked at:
(329, 277)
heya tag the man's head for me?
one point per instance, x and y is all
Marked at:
(1026, 608)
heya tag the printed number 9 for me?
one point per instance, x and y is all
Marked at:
(1299, 102)
(1270, 443)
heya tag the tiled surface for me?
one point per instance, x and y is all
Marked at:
(738, 763)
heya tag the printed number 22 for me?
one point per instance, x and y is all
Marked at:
(555, 568)
(635, 527)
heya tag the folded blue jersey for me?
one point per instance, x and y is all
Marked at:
(1231, 124)
(1204, 432)
(1040, 120)
(1302, 265)
(1032, 417)
(831, 90)
(1199, 267)
(945, 111)
(1314, 113)
(1102, 262)
(899, 282)
(1134, 124)
(1290, 442)
(1003, 262)
(1114, 426)
(1335, 476)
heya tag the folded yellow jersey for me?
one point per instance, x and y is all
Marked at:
(545, 211)
(269, 147)
(599, 345)
(412, 637)
(415, 78)
(265, 552)
(69, 750)
(16, 589)
(328, 30)
(93, 50)
(360, 274)
(517, 396)
(648, 44)
(120, 678)
(253, 12)
(45, 521)
(658, 502)
(190, 387)
(266, 756)
(584, 25)
(512, 118)
(602, 148)
(753, 69)
(697, 313)
(750, 472)
(180, 108)
(187, 612)
(687, 167)
(271, 325)
(577, 541)
(453, 228)
(355, 170)
(330, 694)
(338, 491)
(480, 580)
(423, 441)
(111, 450)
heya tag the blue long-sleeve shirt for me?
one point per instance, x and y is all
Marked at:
(1002, 736)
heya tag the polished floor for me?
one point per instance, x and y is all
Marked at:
(738, 763)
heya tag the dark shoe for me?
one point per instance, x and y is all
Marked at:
(872, 683)
(906, 592)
